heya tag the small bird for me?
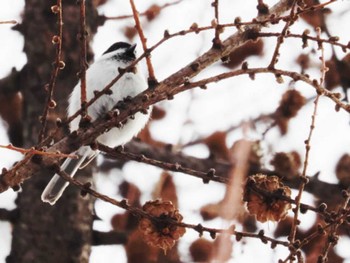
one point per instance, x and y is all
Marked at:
(99, 75)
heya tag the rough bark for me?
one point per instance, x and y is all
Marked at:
(42, 233)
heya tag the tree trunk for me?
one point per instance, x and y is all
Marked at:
(41, 233)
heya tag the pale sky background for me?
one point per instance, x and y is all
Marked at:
(221, 106)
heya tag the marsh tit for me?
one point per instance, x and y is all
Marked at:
(99, 75)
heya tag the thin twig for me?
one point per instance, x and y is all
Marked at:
(321, 230)
(83, 62)
(251, 71)
(329, 241)
(215, 24)
(120, 153)
(307, 150)
(13, 22)
(282, 35)
(33, 151)
(58, 65)
(152, 81)
(143, 13)
(176, 167)
(332, 42)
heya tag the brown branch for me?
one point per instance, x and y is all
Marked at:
(152, 80)
(215, 24)
(251, 71)
(321, 230)
(145, 13)
(280, 38)
(320, 189)
(332, 235)
(329, 241)
(263, 22)
(170, 165)
(276, 19)
(166, 154)
(83, 62)
(13, 22)
(177, 162)
(33, 151)
(307, 153)
(58, 65)
(332, 42)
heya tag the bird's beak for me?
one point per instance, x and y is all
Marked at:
(131, 50)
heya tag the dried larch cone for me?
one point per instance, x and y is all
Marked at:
(263, 196)
(160, 231)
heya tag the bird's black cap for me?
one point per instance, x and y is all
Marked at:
(127, 55)
(116, 46)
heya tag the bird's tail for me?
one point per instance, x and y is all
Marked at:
(57, 184)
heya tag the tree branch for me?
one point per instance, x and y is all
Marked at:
(320, 189)
(168, 161)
